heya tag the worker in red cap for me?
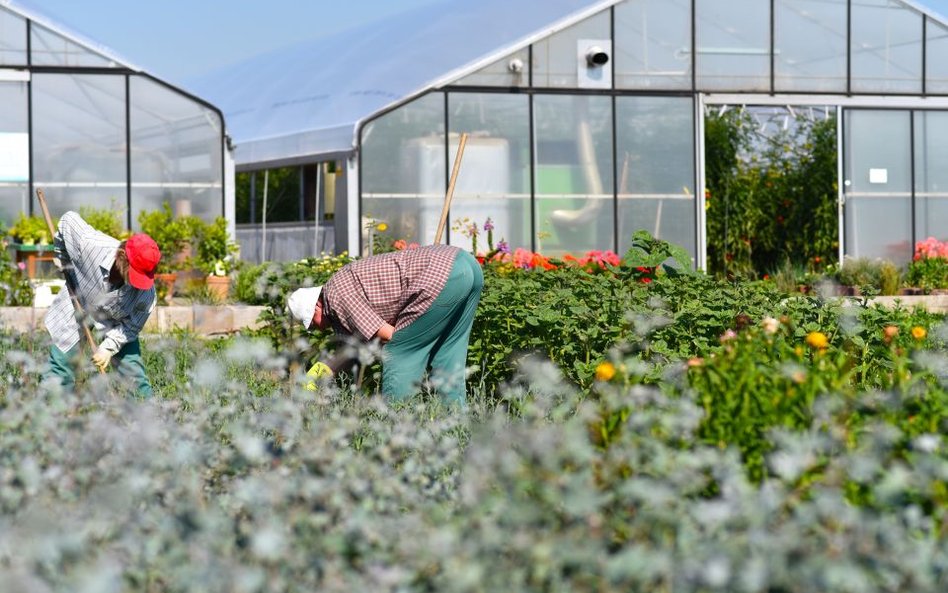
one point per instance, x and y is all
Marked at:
(115, 284)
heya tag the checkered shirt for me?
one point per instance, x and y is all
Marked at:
(395, 288)
(119, 313)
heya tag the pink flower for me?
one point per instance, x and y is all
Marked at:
(21, 265)
(400, 244)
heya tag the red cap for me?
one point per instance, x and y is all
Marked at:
(143, 255)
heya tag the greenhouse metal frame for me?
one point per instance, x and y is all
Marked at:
(71, 107)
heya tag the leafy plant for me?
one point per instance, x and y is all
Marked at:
(105, 220)
(15, 289)
(770, 197)
(216, 250)
(30, 229)
(929, 268)
(172, 235)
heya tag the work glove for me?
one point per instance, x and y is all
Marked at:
(316, 372)
(101, 359)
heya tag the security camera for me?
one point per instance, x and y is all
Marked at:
(596, 56)
(515, 65)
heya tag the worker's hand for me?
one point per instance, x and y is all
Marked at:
(317, 371)
(385, 332)
(101, 359)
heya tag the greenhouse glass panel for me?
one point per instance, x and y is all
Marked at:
(653, 44)
(403, 170)
(51, 49)
(79, 140)
(886, 47)
(176, 152)
(559, 60)
(14, 151)
(12, 38)
(931, 175)
(936, 71)
(878, 184)
(509, 71)
(655, 160)
(810, 45)
(494, 179)
(573, 174)
(733, 45)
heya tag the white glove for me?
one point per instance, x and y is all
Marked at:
(101, 359)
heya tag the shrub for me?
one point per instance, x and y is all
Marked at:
(105, 220)
(216, 250)
(172, 234)
(30, 229)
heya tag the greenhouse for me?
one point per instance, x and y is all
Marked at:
(91, 129)
(585, 121)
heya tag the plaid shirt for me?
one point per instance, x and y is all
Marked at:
(118, 312)
(394, 288)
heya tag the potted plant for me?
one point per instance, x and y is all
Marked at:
(30, 230)
(216, 256)
(172, 235)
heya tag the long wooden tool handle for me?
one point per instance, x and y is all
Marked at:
(448, 196)
(80, 313)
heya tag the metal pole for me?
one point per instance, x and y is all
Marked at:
(316, 217)
(263, 239)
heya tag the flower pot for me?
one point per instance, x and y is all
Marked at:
(164, 285)
(219, 286)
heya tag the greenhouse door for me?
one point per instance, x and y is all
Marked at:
(876, 190)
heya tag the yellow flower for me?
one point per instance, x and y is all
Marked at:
(605, 371)
(817, 340)
(919, 332)
(381, 227)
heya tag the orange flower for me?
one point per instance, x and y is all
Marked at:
(919, 332)
(605, 371)
(817, 340)
(889, 333)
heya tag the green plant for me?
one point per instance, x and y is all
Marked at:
(860, 272)
(929, 267)
(105, 220)
(770, 197)
(216, 250)
(171, 234)
(890, 278)
(30, 229)
(15, 289)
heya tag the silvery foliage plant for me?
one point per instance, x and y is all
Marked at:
(219, 486)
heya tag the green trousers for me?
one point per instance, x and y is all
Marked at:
(128, 361)
(437, 340)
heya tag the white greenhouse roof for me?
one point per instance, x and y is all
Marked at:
(308, 99)
(31, 11)
(306, 102)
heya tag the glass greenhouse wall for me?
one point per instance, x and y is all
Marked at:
(91, 131)
(593, 130)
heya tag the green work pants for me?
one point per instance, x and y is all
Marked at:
(128, 361)
(438, 339)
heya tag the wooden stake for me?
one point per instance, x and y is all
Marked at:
(450, 194)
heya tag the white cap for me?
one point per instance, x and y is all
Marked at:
(302, 304)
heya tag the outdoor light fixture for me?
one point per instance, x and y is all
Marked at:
(596, 56)
(515, 65)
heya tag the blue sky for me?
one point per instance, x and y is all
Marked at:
(181, 39)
